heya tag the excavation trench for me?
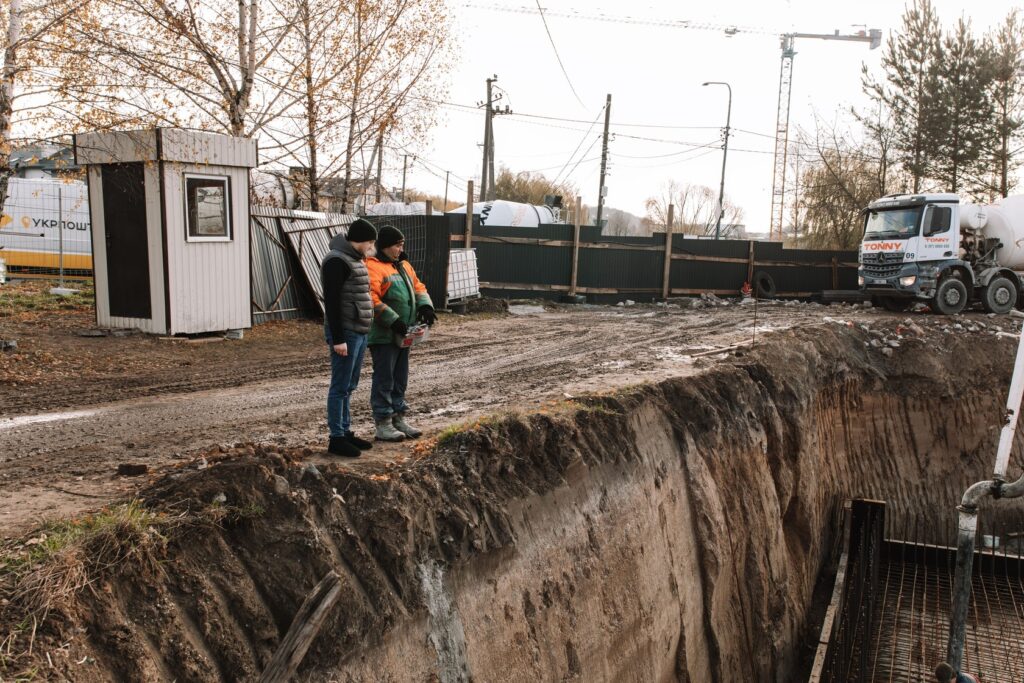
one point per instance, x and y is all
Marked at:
(674, 531)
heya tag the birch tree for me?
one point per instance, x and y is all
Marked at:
(199, 63)
(318, 53)
(401, 53)
(363, 69)
(695, 210)
(22, 78)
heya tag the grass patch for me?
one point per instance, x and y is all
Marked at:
(63, 557)
(34, 297)
(451, 431)
(45, 572)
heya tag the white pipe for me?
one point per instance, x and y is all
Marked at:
(1012, 411)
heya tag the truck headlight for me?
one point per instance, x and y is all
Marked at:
(860, 280)
(908, 281)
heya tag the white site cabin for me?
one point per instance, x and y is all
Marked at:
(170, 229)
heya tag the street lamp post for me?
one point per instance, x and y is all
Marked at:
(725, 154)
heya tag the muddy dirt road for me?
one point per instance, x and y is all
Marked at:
(60, 462)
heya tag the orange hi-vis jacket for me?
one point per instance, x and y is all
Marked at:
(397, 295)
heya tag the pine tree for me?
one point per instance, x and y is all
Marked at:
(908, 89)
(962, 117)
(1007, 93)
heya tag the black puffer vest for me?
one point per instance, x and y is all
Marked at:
(356, 304)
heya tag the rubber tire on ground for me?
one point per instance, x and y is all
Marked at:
(764, 285)
(1000, 296)
(894, 304)
(950, 297)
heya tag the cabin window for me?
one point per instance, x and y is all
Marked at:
(207, 208)
(937, 220)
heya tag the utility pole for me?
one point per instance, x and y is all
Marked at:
(445, 207)
(604, 160)
(725, 154)
(380, 166)
(487, 171)
(405, 161)
(487, 138)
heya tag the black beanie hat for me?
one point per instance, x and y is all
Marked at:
(361, 230)
(389, 236)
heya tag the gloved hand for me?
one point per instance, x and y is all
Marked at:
(400, 328)
(426, 315)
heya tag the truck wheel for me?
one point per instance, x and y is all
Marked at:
(951, 297)
(1000, 296)
(895, 305)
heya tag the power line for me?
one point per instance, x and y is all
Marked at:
(673, 162)
(564, 119)
(620, 125)
(548, 168)
(557, 56)
(582, 140)
(566, 179)
(713, 143)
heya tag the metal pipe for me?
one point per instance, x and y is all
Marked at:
(60, 230)
(1012, 411)
(967, 531)
(975, 494)
(967, 528)
(1013, 490)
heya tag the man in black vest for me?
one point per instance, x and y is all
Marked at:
(348, 312)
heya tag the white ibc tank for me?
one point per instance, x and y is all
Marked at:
(1006, 223)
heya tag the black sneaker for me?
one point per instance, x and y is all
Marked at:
(361, 444)
(339, 445)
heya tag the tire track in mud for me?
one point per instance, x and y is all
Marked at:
(470, 367)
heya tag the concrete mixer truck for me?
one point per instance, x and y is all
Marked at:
(938, 250)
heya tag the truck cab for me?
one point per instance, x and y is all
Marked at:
(930, 248)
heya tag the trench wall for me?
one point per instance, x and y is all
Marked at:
(690, 547)
(672, 532)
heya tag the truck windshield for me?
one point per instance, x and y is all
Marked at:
(892, 224)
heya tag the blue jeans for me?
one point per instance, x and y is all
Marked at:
(344, 380)
(390, 378)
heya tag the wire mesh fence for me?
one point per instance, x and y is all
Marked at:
(308, 235)
(427, 246)
(45, 229)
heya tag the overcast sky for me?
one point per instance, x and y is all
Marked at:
(654, 76)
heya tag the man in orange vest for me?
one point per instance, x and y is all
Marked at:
(400, 301)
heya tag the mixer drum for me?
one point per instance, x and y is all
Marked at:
(1006, 223)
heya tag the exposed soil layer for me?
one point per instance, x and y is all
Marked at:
(673, 531)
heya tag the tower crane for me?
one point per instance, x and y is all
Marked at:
(787, 42)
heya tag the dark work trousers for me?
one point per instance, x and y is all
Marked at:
(390, 378)
(344, 380)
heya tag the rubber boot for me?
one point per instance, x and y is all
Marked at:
(361, 444)
(386, 431)
(339, 445)
(398, 420)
